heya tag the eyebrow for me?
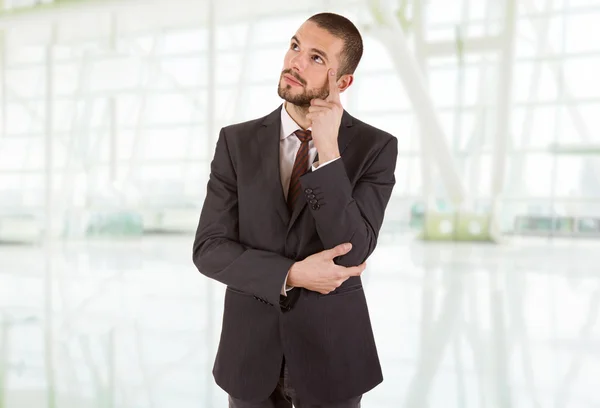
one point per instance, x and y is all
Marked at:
(315, 50)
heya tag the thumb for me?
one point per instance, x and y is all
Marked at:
(339, 250)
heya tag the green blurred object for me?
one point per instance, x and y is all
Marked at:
(474, 227)
(417, 215)
(547, 225)
(575, 149)
(456, 226)
(588, 225)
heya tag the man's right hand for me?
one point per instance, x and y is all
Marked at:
(319, 273)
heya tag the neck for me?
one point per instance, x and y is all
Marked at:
(298, 113)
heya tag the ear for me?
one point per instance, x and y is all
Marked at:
(345, 81)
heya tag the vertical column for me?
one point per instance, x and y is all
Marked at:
(210, 140)
(112, 108)
(500, 369)
(504, 105)
(419, 39)
(3, 358)
(112, 153)
(111, 383)
(211, 75)
(49, 119)
(389, 32)
(558, 112)
(502, 394)
(3, 84)
(48, 229)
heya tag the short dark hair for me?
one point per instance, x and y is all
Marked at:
(341, 27)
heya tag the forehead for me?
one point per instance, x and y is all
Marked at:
(312, 36)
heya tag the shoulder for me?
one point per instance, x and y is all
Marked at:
(243, 127)
(375, 135)
(250, 127)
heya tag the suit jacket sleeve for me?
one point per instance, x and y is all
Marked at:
(217, 252)
(343, 214)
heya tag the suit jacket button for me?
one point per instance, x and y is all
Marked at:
(311, 196)
(316, 206)
(313, 201)
(308, 191)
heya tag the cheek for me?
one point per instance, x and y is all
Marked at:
(286, 59)
(315, 83)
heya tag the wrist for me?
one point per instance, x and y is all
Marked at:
(325, 157)
(328, 151)
(292, 275)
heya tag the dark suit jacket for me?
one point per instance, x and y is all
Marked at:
(248, 240)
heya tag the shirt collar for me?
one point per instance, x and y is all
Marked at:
(288, 125)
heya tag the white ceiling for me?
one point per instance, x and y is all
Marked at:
(91, 18)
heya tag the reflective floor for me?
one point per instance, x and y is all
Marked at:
(132, 324)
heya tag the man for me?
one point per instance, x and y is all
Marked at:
(294, 205)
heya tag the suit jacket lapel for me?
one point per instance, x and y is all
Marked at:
(268, 139)
(345, 135)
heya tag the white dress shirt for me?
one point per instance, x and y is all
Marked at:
(288, 147)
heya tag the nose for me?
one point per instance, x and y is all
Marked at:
(298, 62)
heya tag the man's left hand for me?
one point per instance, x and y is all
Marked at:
(326, 117)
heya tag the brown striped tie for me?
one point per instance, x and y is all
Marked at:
(300, 167)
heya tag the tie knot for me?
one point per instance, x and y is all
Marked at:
(303, 135)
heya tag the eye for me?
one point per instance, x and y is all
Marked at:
(317, 59)
(293, 46)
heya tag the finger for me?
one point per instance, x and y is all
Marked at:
(315, 115)
(340, 282)
(318, 109)
(359, 268)
(339, 250)
(355, 270)
(334, 92)
(321, 102)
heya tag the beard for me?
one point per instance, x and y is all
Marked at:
(303, 99)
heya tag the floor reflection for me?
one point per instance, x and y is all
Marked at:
(133, 324)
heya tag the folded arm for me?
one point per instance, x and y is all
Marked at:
(217, 252)
(346, 214)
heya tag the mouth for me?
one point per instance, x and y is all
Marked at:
(290, 80)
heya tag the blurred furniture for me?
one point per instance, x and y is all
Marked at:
(570, 226)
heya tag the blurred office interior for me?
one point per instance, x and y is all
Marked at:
(484, 290)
